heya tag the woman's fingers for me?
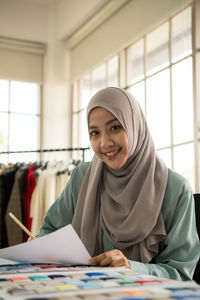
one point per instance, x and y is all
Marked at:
(113, 258)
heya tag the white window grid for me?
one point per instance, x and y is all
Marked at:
(25, 157)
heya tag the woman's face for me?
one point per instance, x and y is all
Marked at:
(108, 138)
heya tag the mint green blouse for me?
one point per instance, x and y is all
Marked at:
(178, 252)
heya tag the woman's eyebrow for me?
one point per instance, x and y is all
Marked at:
(107, 123)
(92, 127)
(110, 121)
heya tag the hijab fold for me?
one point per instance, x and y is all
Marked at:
(124, 203)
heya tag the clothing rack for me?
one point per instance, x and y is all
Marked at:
(51, 150)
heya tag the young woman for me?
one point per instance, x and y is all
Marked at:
(126, 206)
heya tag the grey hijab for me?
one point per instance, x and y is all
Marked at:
(125, 203)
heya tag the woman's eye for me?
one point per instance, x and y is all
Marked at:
(94, 133)
(116, 127)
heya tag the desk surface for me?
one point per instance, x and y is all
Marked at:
(60, 282)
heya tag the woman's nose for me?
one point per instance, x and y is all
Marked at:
(106, 140)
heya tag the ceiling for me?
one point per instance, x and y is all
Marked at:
(73, 13)
(67, 20)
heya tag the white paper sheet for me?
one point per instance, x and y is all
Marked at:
(62, 246)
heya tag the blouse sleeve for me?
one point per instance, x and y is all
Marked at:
(62, 210)
(180, 250)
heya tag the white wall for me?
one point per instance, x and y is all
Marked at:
(56, 109)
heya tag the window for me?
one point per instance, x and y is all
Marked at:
(158, 108)
(165, 89)
(104, 75)
(135, 59)
(113, 75)
(98, 78)
(20, 120)
(157, 45)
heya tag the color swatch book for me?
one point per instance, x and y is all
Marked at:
(60, 282)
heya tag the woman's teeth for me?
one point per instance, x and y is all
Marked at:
(111, 153)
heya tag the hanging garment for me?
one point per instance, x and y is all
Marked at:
(17, 195)
(1, 206)
(61, 181)
(36, 206)
(43, 195)
(14, 232)
(46, 191)
(26, 199)
(7, 184)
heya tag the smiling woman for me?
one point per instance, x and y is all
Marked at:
(127, 207)
(108, 138)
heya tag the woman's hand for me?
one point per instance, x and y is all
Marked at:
(113, 258)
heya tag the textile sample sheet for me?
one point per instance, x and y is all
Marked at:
(61, 282)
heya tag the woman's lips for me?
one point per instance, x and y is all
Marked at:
(112, 154)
